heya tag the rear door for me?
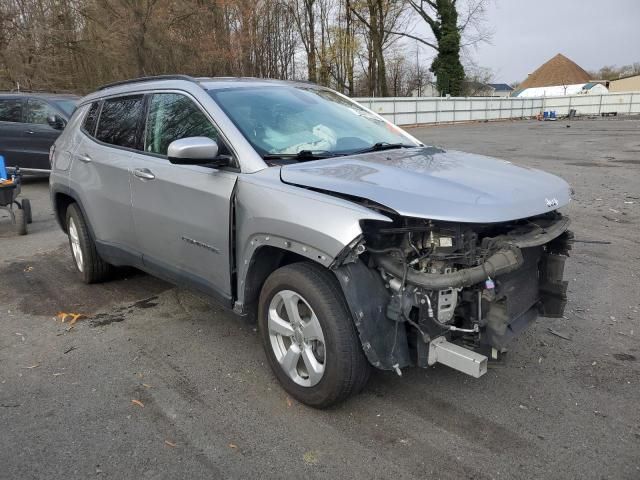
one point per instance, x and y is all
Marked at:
(100, 171)
(181, 212)
(38, 135)
(11, 129)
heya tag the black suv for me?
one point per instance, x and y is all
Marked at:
(29, 124)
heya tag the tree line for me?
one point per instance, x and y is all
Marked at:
(612, 72)
(359, 47)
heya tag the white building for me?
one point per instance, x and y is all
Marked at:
(589, 88)
(427, 90)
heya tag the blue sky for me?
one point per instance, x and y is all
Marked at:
(527, 33)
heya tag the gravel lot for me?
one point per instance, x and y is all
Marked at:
(555, 408)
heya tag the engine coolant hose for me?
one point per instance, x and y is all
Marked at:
(503, 261)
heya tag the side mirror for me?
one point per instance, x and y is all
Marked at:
(195, 151)
(56, 121)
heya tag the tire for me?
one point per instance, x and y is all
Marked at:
(20, 224)
(90, 266)
(26, 206)
(336, 349)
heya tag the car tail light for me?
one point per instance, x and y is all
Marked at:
(51, 151)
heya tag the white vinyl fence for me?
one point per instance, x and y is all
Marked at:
(420, 110)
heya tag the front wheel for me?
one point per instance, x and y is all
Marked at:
(309, 336)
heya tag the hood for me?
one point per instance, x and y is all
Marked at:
(436, 184)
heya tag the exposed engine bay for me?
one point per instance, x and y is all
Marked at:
(454, 292)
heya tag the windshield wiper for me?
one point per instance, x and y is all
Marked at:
(301, 155)
(378, 147)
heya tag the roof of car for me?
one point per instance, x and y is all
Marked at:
(142, 84)
(215, 83)
(208, 83)
(45, 95)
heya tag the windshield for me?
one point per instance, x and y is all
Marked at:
(287, 120)
(67, 106)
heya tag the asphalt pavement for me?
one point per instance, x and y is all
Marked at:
(153, 381)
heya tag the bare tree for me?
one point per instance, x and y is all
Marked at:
(611, 72)
(338, 44)
(76, 45)
(380, 17)
(304, 14)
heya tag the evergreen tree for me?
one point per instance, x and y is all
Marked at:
(447, 66)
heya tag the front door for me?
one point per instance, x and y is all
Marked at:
(182, 212)
(38, 135)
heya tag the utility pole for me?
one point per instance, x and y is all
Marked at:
(418, 76)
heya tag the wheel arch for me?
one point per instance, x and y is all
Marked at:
(265, 260)
(61, 201)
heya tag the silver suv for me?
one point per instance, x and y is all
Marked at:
(351, 243)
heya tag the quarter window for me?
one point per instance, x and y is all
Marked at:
(38, 112)
(10, 110)
(91, 120)
(171, 117)
(119, 121)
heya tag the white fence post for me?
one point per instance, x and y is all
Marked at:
(600, 106)
(394, 110)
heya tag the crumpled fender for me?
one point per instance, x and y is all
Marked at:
(384, 341)
(307, 223)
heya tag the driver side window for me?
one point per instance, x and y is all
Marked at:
(38, 112)
(171, 117)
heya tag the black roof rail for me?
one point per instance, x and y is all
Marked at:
(149, 79)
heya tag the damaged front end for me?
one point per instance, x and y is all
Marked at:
(423, 292)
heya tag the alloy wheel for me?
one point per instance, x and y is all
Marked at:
(76, 249)
(296, 338)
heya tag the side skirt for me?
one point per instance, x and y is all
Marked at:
(119, 256)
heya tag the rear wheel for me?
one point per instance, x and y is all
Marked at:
(26, 206)
(309, 336)
(91, 267)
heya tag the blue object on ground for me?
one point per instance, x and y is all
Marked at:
(3, 169)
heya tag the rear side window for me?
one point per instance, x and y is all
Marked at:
(91, 120)
(171, 117)
(10, 110)
(119, 121)
(38, 111)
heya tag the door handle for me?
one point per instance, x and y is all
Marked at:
(144, 173)
(29, 132)
(83, 157)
